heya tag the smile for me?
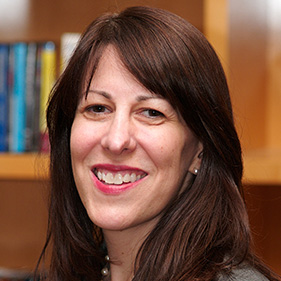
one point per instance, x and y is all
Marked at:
(119, 177)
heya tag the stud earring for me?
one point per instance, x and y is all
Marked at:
(195, 171)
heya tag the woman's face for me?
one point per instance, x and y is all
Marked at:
(130, 150)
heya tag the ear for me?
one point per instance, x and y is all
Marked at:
(196, 162)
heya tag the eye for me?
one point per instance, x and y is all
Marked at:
(98, 109)
(152, 113)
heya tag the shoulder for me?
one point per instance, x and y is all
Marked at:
(243, 273)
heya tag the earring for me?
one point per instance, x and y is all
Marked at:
(195, 171)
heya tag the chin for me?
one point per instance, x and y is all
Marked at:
(109, 222)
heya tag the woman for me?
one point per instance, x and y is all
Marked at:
(145, 160)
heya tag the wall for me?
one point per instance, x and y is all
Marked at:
(23, 222)
(255, 68)
(48, 19)
(254, 78)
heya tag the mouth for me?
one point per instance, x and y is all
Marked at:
(118, 177)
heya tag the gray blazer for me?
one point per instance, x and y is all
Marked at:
(244, 273)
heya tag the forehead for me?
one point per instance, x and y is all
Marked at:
(107, 62)
(111, 63)
(111, 73)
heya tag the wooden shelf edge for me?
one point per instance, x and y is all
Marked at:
(26, 166)
(262, 167)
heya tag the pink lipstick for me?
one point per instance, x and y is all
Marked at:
(112, 179)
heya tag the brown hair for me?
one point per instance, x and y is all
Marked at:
(205, 231)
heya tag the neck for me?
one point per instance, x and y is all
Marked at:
(122, 247)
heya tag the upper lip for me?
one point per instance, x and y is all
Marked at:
(118, 168)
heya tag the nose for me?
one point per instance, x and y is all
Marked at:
(119, 136)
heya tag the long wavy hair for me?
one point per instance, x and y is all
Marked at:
(205, 231)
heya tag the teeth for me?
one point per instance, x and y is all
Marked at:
(127, 178)
(133, 177)
(99, 175)
(117, 179)
(108, 178)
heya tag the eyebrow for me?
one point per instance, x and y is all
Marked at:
(153, 96)
(139, 98)
(102, 93)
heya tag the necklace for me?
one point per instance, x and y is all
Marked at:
(105, 270)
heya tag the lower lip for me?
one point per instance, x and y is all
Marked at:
(114, 189)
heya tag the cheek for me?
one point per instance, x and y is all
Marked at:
(172, 151)
(164, 147)
(79, 148)
(82, 139)
(77, 139)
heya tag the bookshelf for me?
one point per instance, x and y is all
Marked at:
(256, 100)
(26, 166)
(34, 23)
(258, 125)
(248, 46)
(261, 167)
(261, 143)
(24, 177)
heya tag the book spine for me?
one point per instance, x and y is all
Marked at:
(4, 103)
(30, 96)
(69, 43)
(18, 98)
(37, 90)
(48, 70)
(10, 96)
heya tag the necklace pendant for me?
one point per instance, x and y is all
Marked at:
(104, 271)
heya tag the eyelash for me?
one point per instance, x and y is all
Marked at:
(153, 113)
(97, 109)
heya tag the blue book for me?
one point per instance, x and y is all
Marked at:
(18, 107)
(4, 102)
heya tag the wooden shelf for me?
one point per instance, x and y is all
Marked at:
(27, 166)
(262, 167)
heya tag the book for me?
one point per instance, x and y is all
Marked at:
(4, 101)
(68, 44)
(27, 75)
(10, 95)
(48, 74)
(37, 92)
(18, 111)
(30, 102)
